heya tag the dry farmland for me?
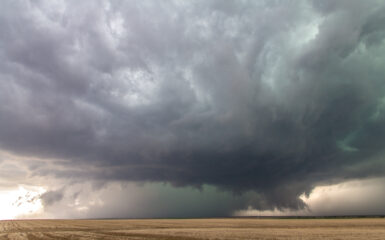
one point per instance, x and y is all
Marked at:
(190, 229)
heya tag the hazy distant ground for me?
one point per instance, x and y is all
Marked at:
(190, 229)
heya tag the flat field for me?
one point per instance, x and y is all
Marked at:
(192, 229)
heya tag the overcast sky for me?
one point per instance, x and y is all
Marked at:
(193, 108)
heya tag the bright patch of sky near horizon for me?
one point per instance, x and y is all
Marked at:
(23, 202)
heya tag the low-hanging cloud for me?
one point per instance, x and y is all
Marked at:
(51, 197)
(269, 96)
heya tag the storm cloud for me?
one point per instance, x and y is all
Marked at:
(275, 97)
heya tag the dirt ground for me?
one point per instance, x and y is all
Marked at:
(190, 229)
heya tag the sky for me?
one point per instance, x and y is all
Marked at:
(204, 108)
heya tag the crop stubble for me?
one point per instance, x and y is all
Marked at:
(193, 229)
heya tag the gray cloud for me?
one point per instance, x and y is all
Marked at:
(50, 197)
(274, 97)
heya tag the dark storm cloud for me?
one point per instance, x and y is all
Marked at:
(270, 96)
